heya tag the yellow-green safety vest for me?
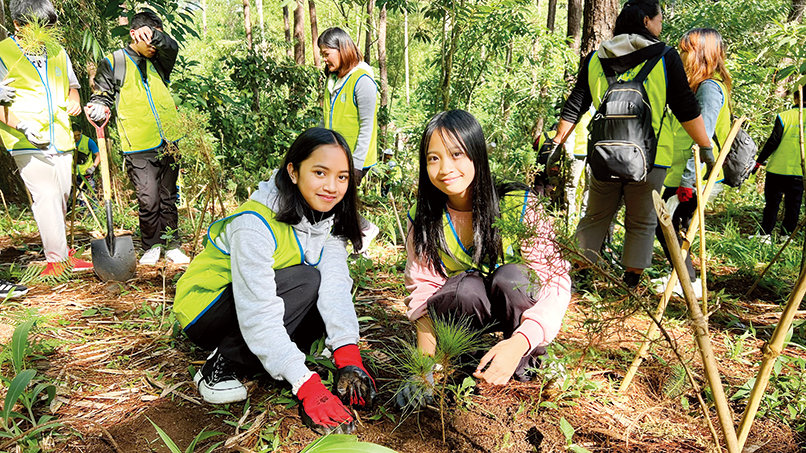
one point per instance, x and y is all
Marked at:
(342, 115)
(581, 135)
(458, 259)
(210, 273)
(785, 160)
(679, 143)
(146, 112)
(83, 149)
(39, 101)
(655, 86)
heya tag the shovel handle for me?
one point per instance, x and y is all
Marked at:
(99, 129)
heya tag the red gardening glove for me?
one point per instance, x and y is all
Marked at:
(685, 194)
(321, 411)
(354, 385)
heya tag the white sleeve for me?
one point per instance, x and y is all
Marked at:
(335, 301)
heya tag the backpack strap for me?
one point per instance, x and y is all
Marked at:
(120, 67)
(650, 65)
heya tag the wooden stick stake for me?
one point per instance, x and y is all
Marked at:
(699, 325)
(652, 331)
(701, 200)
(770, 353)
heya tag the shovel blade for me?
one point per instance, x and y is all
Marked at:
(118, 264)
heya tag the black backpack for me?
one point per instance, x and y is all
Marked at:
(740, 159)
(622, 142)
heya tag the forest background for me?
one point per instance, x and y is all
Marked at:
(249, 80)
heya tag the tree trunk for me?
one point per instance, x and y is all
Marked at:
(598, 19)
(299, 34)
(247, 23)
(552, 15)
(574, 30)
(382, 66)
(10, 182)
(406, 52)
(204, 18)
(287, 28)
(450, 39)
(314, 31)
(796, 13)
(259, 5)
(368, 45)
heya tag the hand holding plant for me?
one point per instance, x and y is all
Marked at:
(503, 359)
(354, 385)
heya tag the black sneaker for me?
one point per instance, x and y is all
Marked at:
(631, 279)
(217, 381)
(9, 290)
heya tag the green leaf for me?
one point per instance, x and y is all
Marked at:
(343, 443)
(166, 439)
(15, 389)
(19, 344)
(577, 449)
(567, 429)
(201, 437)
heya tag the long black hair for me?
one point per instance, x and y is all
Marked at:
(293, 207)
(463, 130)
(631, 18)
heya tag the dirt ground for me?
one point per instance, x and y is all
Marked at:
(119, 367)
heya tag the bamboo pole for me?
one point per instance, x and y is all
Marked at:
(699, 325)
(667, 294)
(701, 200)
(770, 352)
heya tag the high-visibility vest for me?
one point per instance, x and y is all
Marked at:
(580, 148)
(341, 115)
(679, 142)
(210, 273)
(84, 155)
(42, 102)
(655, 86)
(785, 160)
(458, 259)
(146, 112)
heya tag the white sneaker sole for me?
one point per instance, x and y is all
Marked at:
(219, 396)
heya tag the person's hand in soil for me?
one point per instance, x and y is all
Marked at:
(503, 359)
(354, 385)
(416, 392)
(321, 411)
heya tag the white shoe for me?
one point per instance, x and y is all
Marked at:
(217, 381)
(177, 256)
(151, 256)
(763, 238)
(661, 282)
(367, 236)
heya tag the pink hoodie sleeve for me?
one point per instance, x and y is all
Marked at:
(541, 323)
(421, 281)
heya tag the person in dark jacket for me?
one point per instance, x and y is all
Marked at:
(134, 80)
(635, 41)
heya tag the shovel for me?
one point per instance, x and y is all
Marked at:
(112, 257)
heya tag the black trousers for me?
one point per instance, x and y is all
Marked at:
(154, 178)
(681, 219)
(495, 303)
(298, 286)
(788, 187)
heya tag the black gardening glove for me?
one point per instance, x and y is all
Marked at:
(354, 385)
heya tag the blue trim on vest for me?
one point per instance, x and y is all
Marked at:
(302, 252)
(356, 86)
(48, 95)
(332, 104)
(209, 238)
(525, 199)
(209, 306)
(459, 241)
(144, 82)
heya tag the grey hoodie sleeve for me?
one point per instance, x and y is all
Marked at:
(365, 96)
(260, 310)
(335, 302)
(711, 99)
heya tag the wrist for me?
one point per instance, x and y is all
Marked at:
(521, 343)
(310, 387)
(348, 355)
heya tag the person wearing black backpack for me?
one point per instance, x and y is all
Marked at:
(784, 173)
(703, 54)
(622, 146)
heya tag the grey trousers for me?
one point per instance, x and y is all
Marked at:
(639, 220)
(49, 179)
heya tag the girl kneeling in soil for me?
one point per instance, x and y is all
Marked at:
(460, 263)
(273, 278)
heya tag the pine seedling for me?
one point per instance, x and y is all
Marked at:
(36, 35)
